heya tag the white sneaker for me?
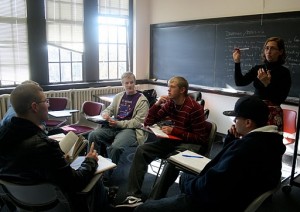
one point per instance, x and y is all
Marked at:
(130, 201)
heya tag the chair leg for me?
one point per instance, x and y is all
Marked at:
(162, 162)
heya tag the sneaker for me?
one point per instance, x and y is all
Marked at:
(131, 202)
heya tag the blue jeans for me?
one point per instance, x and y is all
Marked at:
(180, 203)
(115, 139)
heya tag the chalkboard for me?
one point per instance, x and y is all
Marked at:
(201, 50)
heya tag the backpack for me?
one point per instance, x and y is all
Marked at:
(151, 95)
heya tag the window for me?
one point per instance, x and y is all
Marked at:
(14, 67)
(113, 38)
(64, 20)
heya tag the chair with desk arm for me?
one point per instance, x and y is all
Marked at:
(56, 104)
(36, 197)
(211, 129)
(84, 126)
(197, 96)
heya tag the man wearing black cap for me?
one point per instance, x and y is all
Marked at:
(247, 166)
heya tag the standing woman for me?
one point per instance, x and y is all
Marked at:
(271, 80)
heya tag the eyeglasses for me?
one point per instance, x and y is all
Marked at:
(270, 48)
(44, 101)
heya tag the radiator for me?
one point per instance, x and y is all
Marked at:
(4, 102)
(76, 97)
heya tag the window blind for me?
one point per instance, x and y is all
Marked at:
(14, 65)
(64, 19)
(114, 7)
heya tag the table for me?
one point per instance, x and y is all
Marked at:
(61, 113)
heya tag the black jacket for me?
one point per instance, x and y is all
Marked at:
(276, 92)
(27, 155)
(244, 169)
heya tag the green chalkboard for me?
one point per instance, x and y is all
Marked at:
(201, 50)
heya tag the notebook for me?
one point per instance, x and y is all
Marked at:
(189, 161)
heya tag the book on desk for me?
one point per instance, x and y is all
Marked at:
(189, 161)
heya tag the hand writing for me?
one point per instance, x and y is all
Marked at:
(92, 153)
(167, 129)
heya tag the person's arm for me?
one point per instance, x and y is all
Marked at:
(60, 172)
(158, 111)
(243, 80)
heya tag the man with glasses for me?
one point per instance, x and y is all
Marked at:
(28, 156)
(271, 80)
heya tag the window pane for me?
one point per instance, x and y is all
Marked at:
(77, 71)
(122, 53)
(113, 52)
(53, 54)
(66, 72)
(103, 69)
(113, 70)
(113, 34)
(122, 35)
(65, 56)
(54, 73)
(76, 57)
(103, 52)
(122, 68)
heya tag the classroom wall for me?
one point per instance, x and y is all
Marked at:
(161, 11)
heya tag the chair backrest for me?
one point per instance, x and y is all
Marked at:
(91, 108)
(211, 131)
(197, 95)
(257, 202)
(38, 197)
(57, 103)
(289, 126)
(211, 137)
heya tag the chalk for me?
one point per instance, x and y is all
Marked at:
(243, 49)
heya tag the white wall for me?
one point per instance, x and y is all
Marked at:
(162, 11)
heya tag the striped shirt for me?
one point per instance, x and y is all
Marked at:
(188, 120)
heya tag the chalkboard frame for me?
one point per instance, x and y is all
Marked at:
(217, 21)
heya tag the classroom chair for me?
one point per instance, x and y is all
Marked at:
(84, 126)
(37, 197)
(56, 104)
(211, 129)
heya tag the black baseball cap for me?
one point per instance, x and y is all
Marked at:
(250, 107)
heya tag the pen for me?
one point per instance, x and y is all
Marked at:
(192, 156)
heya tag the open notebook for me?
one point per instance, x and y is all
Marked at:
(104, 164)
(189, 161)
